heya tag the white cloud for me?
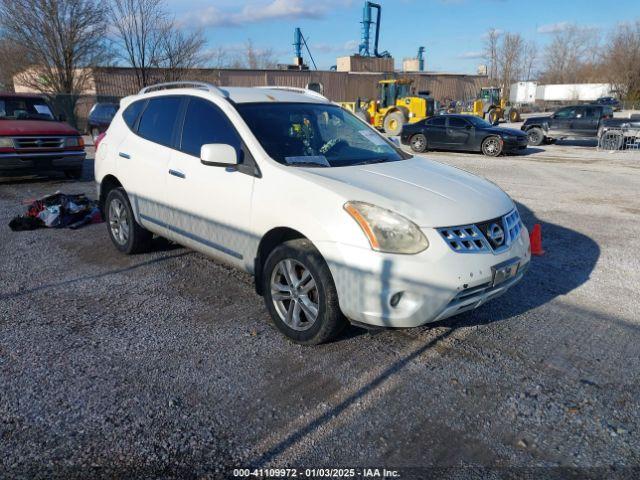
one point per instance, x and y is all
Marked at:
(255, 12)
(470, 55)
(320, 47)
(550, 28)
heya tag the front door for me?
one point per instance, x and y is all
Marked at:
(436, 131)
(560, 122)
(459, 133)
(212, 203)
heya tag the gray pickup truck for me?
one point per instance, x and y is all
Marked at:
(576, 121)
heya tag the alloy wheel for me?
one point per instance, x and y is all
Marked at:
(491, 146)
(118, 221)
(295, 295)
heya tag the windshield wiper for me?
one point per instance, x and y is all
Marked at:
(374, 160)
(307, 164)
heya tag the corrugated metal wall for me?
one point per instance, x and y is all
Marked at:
(338, 86)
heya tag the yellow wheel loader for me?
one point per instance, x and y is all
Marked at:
(492, 107)
(396, 105)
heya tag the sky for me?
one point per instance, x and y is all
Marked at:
(451, 30)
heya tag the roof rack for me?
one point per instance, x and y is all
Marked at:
(304, 91)
(185, 84)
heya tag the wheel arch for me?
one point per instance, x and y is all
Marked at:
(270, 240)
(108, 183)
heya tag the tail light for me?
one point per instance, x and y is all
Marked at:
(99, 139)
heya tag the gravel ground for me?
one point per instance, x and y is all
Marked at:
(165, 365)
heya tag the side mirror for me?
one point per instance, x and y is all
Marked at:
(62, 117)
(218, 155)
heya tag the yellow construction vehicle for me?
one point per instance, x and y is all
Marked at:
(396, 105)
(492, 107)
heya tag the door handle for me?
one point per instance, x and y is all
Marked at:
(177, 173)
(124, 155)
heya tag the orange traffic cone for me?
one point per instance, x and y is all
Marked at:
(535, 237)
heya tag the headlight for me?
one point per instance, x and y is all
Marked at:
(6, 142)
(387, 231)
(509, 137)
(74, 142)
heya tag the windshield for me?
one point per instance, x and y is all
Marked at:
(24, 108)
(478, 122)
(315, 135)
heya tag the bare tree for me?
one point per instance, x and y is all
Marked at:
(529, 59)
(148, 39)
(14, 58)
(258, 58)
(491, 52)
(179, 52)
(621, 58)
(509, 58)
(571, 55)
(62, 38)
(139, 26)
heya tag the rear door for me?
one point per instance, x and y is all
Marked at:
(459, 133)
(144, 158)
(212, 204)
(586, 124)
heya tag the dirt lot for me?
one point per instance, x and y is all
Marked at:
(165, 365)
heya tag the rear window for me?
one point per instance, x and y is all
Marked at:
(438, 121)
(131, 113)
(159, 118)
(103, 112)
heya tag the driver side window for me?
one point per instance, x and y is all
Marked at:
(205, 123)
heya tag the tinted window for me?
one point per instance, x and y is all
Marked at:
(438, 121)
(25, 108)
(103, 112)
(456, 122)
(592, 112)
(130, 115)
(159, 118)
(206, 123)
(569, 112)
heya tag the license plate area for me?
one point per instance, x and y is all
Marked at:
(504, 271)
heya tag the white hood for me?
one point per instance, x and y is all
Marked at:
(429, 193)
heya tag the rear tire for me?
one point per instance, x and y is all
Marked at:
(125, 233)
(535, 136)
(393, 123)
(492, 146)
(492, 116)
(514, 115)
(297, 283)
(418, 143)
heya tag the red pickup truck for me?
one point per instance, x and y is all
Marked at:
(33, 140)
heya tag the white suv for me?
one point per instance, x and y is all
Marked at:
(333, 220)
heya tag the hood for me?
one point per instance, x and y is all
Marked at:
(35, 127)
(429, 193)
(507, 131)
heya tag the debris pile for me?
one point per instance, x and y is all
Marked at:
(58, 211)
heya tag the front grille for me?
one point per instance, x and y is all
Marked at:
(38, 143)
(491, 236)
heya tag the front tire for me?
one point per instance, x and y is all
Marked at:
(393, 123)
(300, 294)
(418, 143)
(492, 146)
(125, 233)
(535, 136)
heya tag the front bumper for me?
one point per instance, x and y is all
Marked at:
(433, 285)
(41, 161)
(515, 144)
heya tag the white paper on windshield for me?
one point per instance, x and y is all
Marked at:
(319, 159)
(373, 137)
(43, 110)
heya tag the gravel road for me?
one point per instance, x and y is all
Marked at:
(165, 365)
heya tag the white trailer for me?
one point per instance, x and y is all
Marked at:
(522, 93)
(569, 92)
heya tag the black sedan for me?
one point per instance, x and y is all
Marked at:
(462, 132)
